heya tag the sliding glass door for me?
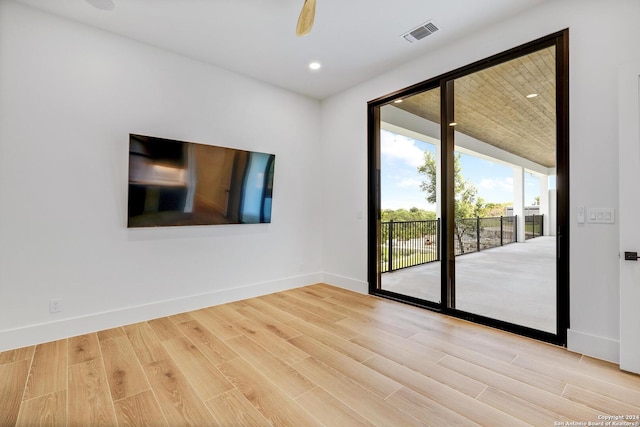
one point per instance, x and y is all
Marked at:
(505, 160)
(409, 199)
(468, 192)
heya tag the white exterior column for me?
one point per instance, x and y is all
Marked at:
(518, 200)
(552, 213)
(544, 203)
(438, 182)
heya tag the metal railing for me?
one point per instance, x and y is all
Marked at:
(475, 234)
(410, 243)
(533, 226)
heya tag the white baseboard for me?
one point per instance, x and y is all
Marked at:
(65, 328)
(594, 346)
(346, 283)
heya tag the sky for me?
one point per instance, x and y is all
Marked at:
(400, 181)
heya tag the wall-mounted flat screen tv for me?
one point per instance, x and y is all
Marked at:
(185, 183)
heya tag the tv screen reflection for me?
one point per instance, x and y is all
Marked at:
(183, 183)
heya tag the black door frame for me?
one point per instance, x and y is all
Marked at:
(560, 41)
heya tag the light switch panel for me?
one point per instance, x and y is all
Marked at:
(601, 215)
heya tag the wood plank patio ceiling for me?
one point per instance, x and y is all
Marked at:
(491, 105)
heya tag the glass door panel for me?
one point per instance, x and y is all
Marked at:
(409, 226)
(504, 173)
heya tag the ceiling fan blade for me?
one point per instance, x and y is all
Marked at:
(305, 21)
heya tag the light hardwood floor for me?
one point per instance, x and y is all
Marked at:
(317, 355)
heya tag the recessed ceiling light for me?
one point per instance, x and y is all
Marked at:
(397, 101)
(532, 95)
(315, 65)
(102, 4)
(453, 124)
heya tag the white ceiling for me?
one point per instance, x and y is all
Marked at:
(354, 40)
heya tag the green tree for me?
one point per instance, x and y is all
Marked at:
(467, 203)
(406, 231)
(413, 214)
(494, 209)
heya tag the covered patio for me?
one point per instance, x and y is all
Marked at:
(515, 283)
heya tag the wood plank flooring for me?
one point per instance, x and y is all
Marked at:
(313, 356)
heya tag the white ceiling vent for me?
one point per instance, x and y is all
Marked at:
(420, 32)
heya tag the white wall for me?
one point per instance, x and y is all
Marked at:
(69, 97)
(603, 36)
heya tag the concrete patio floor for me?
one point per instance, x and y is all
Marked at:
(515, 283)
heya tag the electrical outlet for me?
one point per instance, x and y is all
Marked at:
(55, 305)
(581, 214)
